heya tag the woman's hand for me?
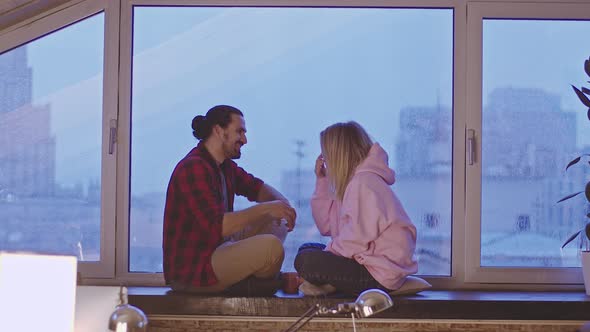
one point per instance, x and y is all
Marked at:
(320, 167)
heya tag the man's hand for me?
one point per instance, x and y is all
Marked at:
(320, 167)
(280, 210)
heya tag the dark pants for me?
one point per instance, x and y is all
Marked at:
(323, 267)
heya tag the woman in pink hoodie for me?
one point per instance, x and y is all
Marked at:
(372, 238)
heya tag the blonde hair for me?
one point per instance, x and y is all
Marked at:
(344, 146)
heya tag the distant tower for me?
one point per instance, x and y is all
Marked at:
(299, 154)
(516, 142)
(17, 80)
(424, 146)
(27, 145)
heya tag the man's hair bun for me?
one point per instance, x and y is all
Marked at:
(201, 127)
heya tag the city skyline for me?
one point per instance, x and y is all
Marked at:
(75, 85)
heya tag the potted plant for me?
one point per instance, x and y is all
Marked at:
(583, 94)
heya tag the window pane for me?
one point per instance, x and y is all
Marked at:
(533, 124)
(50, 142)
(294, 71)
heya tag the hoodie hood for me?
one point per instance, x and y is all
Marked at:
(377, 162)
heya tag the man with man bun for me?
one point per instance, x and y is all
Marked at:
(208, 247)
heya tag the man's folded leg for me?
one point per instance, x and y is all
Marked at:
(249, 267)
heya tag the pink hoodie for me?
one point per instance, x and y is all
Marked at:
(370, 225)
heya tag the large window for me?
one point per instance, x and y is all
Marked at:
(56, 173)
(50, 142)
(472, 100)
(530, 125)
(293, 71)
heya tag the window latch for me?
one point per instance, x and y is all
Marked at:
(471, 146)
(112, 135)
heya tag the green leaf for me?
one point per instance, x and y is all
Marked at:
(571, 238)
(573, 162)
(587, 191)
(587, 66)
(576, 160)
(586, 91)
(569, 196)
(582, 96)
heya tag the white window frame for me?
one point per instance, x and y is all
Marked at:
(477, 12)
(53, 20)
(466, 185)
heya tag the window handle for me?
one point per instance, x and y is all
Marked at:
(471, 146)
(112, 136)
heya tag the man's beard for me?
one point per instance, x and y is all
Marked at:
(233, 152)
(237, 155)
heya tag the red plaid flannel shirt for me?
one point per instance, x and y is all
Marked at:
(194, 212)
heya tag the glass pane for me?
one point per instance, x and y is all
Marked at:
(533, 124)
(294, 71)
(50, 142)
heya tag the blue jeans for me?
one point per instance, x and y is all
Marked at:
(323, 267)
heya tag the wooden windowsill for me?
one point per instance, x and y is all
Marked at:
(493, 305)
